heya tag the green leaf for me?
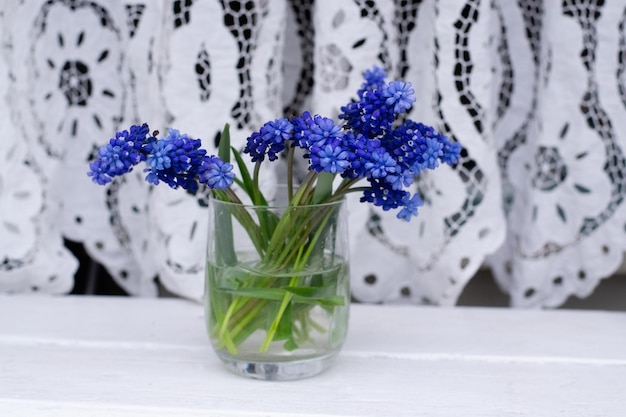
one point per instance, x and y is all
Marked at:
(290, 345)
(323, 296)
(334, 301)
(277, 294)
(312, 292)
(246, 180)
(267, 222)
(219, 306)
(224, 245)
(256, 292)
(223, 150)
(284, 329)
(239, 182)
(323, 187)
(317, 281)
(239, 212)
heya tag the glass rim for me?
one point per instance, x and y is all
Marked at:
(278, 206)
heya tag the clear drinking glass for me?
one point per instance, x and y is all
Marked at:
(277, 287)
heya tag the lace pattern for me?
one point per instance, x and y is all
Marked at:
(533, 90)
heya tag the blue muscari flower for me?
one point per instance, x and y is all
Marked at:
(370, 116)
(302, 129)
(119, 156)
(216, 173)
(152, 177)
(403, 149)
(402, 180)
(256, 147)
(451, 152)
(277, 132)
(416, 147)
(374, 80)
(331, 157)
(353, 114)
(179, 161)
(99, 173)
(399, 95)
(410, 206)
(367, 157)
(323, 131)
(356, 146)
(181, 150)
(430, 152)
(379, 164)
(138, 135)
(158, 158)
(381, 194)
(269, 140)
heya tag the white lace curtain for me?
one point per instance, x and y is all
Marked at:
(534, 90)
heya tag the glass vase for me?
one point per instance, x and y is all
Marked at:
(277, 287)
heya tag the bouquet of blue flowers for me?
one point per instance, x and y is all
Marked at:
(372, 151)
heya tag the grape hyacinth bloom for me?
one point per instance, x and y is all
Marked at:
(119, 155)
(410, 206)
(216, 174)
(331, 157)
(175, 159)
(302, 129)
(380, 164)
(323, 131)
(369, 116)
(158, 158)
(374, 79)
(269, 140)
(399, 95)
(381, 194)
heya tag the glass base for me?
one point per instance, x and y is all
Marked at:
(278, 371)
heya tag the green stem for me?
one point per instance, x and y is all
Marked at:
(314, 241)
(346, 184)
(353, 190)
(290, 156)
(242, 323)
(255, 180)
(302, 196)
(286, 224)
(224, 335)
(269, 336)
(285, 256)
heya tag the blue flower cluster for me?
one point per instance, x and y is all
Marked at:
(175, 159)
(367, 145)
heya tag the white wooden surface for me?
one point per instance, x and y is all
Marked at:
(108, 356)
